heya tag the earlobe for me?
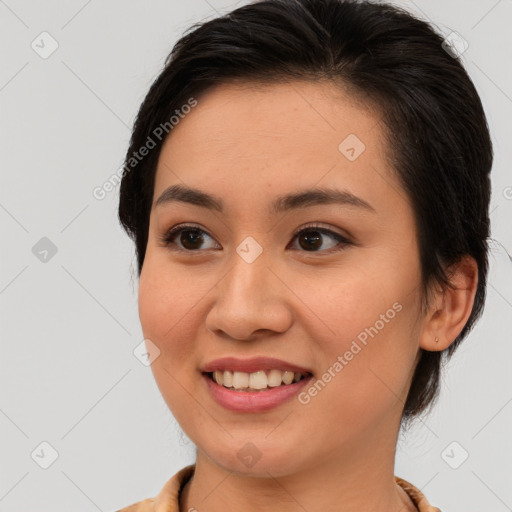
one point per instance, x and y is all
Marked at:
(451, 307)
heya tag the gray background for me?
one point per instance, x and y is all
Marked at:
(70, 323)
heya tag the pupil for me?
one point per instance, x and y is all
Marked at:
(190, 237)
(316, 239)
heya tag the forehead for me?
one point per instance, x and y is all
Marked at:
(274, 137)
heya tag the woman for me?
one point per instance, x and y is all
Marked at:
(307, 187)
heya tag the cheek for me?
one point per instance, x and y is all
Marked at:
(365, 318)
(343, 304)
(167, 316)
(168, 304)
(370, 379)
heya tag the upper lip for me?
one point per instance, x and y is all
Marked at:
(251, 365)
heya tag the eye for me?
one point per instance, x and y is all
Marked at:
(311, 238)
(191, 237)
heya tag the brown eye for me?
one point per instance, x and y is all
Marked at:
(313, 239)
(310, 240)
(190, 238)
(186, 238)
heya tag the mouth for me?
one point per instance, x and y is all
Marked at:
(255, 392)
(257, 381)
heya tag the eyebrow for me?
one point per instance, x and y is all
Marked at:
(305, 198)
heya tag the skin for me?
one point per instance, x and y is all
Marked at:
(247, 145)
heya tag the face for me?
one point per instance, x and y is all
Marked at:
(329, 285)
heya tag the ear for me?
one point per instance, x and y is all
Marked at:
(451, 309)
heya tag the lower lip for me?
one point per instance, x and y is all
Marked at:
(254, 401)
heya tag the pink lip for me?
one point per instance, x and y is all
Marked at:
(253, 401)
(252, 365)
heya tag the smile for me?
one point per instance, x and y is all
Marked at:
(256, 381)
(248, 400)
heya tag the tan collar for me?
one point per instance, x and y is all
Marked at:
(168, 498)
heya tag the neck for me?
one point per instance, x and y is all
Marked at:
(359, 478)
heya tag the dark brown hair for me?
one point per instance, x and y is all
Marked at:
(437, 133)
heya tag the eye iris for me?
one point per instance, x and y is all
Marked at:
(316, 239)
(191, 236)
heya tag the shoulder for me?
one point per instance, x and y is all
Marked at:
(417, 497)
(167, 499)
(147, 505)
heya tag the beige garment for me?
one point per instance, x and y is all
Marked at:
(168, 498)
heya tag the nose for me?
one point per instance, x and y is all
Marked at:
(251, 301)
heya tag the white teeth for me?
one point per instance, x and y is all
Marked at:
(287, 377)
(227, 379)
(259, 380)
(240, 380)
(275, 378)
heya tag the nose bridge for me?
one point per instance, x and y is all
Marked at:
(247, 299)
(246, 283)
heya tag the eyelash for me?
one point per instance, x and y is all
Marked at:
(167, 239)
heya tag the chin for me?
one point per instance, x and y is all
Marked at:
(257, 458)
